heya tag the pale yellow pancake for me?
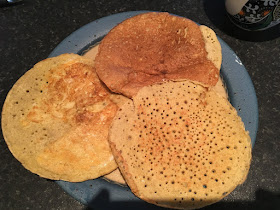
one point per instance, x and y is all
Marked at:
(56, 117)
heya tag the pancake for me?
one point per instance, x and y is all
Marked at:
(179, 145)
(55, 120)
(154, 47)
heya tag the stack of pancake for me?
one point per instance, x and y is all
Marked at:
(151, 104)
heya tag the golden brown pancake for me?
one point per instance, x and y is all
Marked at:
(56, 117)
(180, 145)
(150, 48)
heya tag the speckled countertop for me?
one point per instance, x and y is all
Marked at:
(31, 30)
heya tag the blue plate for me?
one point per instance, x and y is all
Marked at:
(105, 195)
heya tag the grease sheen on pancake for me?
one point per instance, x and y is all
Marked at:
(56, 117)
(150, 48)
(179, 145)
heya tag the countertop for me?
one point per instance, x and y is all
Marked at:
(30, 30)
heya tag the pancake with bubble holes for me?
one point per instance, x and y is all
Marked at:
(56, 117)
(179, 145)
(153, 47)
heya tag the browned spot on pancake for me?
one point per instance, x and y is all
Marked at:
(73, 91)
